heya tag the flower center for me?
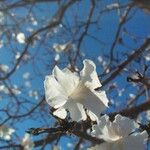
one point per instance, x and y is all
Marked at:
(79, 93)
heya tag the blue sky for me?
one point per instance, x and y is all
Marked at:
(37, 66)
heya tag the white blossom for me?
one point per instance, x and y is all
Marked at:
(61, 47)
(27, 143)
(6, 132)
(24, 58)
(132, 96)
(147, 56)
(57, 57)
(119, 134)
(34, 94)
(65, 90)
(3, 89)
(20, 38)
(34, 21)
(100, 59)
(112, 6)
(4, 68)
(120, 91)
(13, 90)
(26, 75)
(17, 56)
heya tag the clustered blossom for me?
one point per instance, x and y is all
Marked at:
(6, 132)
(61, 47)
(69, 91)
(27, 143)
(14, 90)
(77, 94)
(119, 134)
(21, 38)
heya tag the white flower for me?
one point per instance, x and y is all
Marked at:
(26, 75)
(21, 38)
(3, 89)
(33, 94)
(112, 6)
(67, 90)
(61, 47)
(118, 135)
(5, 132)
(100, 59)
(17, 55)
(57, 57)
(132, 96)
(27, 143)
(13, 90)
(147, 56)
(4, 68)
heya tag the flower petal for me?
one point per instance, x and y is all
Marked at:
(76, 111)
(93, 102)
(135, 142)
(124, 123)
(92, 116)
(61, 113)
(66, 79)
(103, 146)
(98, 129)
(89, 75)
(55, 95)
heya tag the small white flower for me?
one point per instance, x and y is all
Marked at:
(65, 90)
(147, 56)
(33, 94)
(61, 47)
(57, 57)
(6, 132)
(4, 68)
(34, 21)
(100, 59)
(120, 91)
(132, 96)
(3, 89)
(17, 55)
(118, 135)
(26, 75)
(15, 90)
(27, 143)
(21, 38)
(112, 6)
